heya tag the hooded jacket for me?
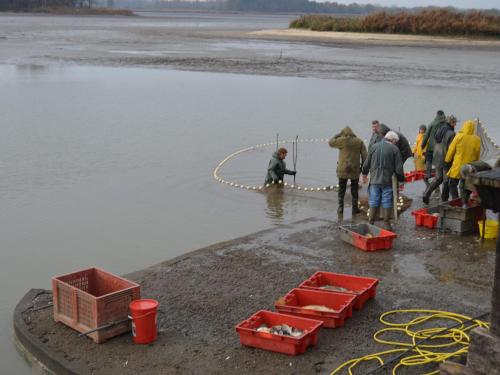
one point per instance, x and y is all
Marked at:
(403, 144)
(417, 149)
(465, 148)
(443, 139)
(384, 160)
(276, 169)
(352, 154)
(430, 134)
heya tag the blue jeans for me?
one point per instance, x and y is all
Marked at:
(380, 194)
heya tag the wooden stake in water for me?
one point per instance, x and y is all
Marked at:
(295, 148)
(395, 190)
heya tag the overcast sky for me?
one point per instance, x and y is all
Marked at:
(411, 3)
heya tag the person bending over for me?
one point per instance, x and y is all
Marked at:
(277, 167)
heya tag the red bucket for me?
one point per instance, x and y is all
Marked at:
(143, 314)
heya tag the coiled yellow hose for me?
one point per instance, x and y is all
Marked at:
(440, 343)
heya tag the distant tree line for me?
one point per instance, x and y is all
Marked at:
(299, 6)
(28, 5)
(290, 6)
(269, 6)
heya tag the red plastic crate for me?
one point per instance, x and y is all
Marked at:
(364, 288)
(425, 217)
(295, 301)
(91, 298)
(277, 343)
(367, 237)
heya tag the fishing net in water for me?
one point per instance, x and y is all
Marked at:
(490, 151)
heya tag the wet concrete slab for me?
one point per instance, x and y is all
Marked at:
(204, 294)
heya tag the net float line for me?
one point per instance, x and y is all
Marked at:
(286, 185)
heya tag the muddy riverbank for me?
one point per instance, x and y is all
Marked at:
(246, 44)
(204, 294)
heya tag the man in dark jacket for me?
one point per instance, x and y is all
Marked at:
(379, 132)
(376, 136)
(351, 157)
(383, 161)
(277, 167)
(442, 139)
(429, 140)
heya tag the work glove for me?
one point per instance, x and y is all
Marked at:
(447, 165)
(293, 173)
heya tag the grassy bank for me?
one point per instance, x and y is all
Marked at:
(442, 22)
(83, 11)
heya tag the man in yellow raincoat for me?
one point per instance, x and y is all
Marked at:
(465, 148)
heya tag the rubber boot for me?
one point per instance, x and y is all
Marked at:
(372, 213)
(427, 195)
(340, 209)
(386, 213)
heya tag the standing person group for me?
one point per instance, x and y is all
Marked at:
(450, 152)
(452, 155)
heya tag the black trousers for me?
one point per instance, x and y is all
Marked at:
(354, 190)
(428, 164)
(441, 178)
(455, 185)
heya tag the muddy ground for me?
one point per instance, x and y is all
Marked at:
(204, 294)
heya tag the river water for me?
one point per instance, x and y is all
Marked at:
(112, 165)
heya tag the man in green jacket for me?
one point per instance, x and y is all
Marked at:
(277, 167)
(352, 155)
(429, 141)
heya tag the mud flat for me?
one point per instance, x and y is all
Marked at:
(204, 294)
(374, 38)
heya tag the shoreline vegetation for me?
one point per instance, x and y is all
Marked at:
(434, 22)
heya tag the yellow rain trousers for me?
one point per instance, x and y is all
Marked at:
(465, 148)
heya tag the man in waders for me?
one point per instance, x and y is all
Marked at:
(383, 161)
(277, 167)
(429, 141)
(352, 155)
(443, 138)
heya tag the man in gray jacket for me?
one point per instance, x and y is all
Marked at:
(383, 161)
